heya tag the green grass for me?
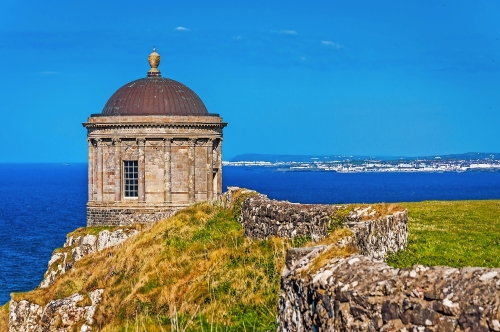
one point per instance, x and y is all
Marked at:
(452, 233)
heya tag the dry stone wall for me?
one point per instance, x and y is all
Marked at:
(359, 293)
(262, 217)
(381, 236)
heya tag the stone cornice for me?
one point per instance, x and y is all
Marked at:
(154, 124)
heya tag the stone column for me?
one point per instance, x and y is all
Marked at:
(210, 169)
(99, 183)
(118, 170)
(219, 167)
(91, 169)
(191, 169)
(94, 170)
(168, 170)
(142, 170)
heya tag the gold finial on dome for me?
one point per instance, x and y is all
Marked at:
(154, 62)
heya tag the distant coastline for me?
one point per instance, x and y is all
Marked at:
(469, 162)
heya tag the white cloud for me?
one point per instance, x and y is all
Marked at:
(181, 29)
(50, 72)
(331, 44)
(289, 32)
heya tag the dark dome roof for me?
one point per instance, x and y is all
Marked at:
(154, 96)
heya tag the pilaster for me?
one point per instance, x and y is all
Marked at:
(191, 170)
(142, 167)
(99, 184)
(219, 167)
(91, 169)
(210, 169)
(118, 171)
(168, 170)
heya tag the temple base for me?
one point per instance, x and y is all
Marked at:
(122, 215)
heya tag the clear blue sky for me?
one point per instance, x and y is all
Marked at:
(290, 77)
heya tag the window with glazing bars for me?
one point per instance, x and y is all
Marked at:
(131, 178)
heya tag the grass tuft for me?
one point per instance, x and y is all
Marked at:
(4, 317)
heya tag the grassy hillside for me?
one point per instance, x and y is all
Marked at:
(196, 271)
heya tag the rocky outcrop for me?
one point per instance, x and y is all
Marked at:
(374, 234)
(359, 293)
(77, 247)
(62, 315)
(70, 313)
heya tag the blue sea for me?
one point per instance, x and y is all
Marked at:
(41, 203)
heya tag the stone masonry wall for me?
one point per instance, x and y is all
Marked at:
(154, 171)
(262, 217)
(358, 293)
(125, 216)
(178, 158)
(381, 236)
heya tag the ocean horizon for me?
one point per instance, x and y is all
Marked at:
(41, 203)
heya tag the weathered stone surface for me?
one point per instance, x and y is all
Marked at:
(379, 237)
(295, 254)
(78, 247)
(179, 162)
(122, 215)
(227, 199)
(108, 239)
(262, 217)
(369, 295)
(62, 315)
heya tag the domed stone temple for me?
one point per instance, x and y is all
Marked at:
(153, 149)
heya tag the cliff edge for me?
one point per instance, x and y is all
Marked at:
(215, 265)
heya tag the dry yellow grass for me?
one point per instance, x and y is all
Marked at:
(193, 271)
(4, 317)
(380, 209)
(193, 268)
(333, 251)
